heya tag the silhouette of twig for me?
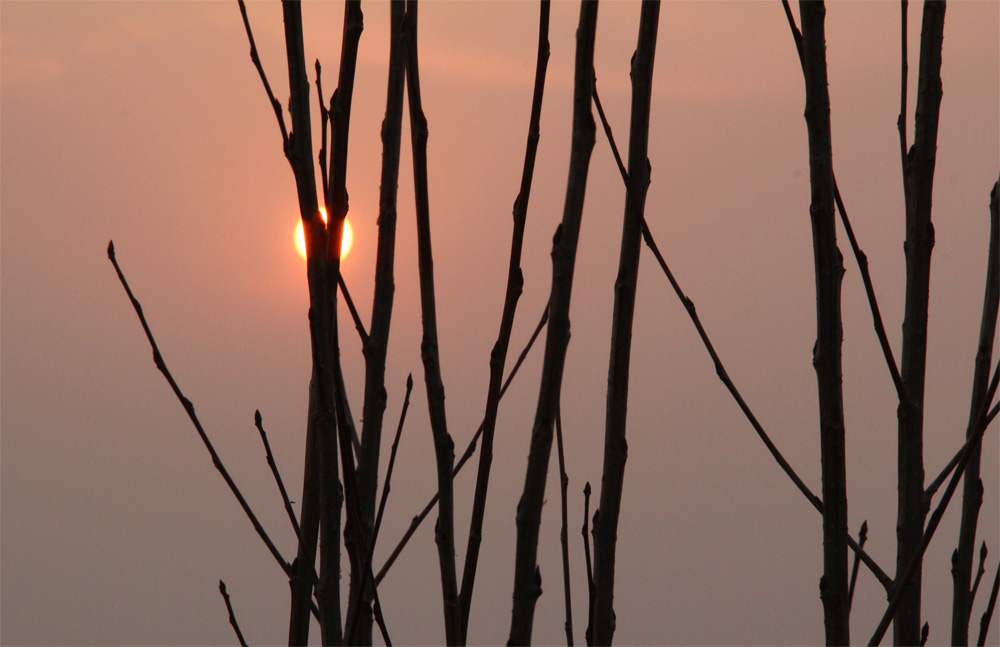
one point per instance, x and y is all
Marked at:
(189, 408)
(232, 616)
(469, 451)
(498, 356)
(723, 375)
(563, 530)
(914, 564)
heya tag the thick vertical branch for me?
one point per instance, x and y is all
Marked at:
(320, 429)
(919, 174)
(527, 578)
(444, 447)
(827, 351)
(615, 443)
(335, 197)
(376, 345)
(498, 356)
(972, 492)
(564, 530)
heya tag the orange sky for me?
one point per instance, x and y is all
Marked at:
(146, 123)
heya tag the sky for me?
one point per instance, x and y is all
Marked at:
(146, 123)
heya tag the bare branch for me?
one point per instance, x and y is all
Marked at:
(232, 616)
(498, 356)
(189, 408)
(972, 490)
(984, 622)
(275, 104)
(258, 422)
(527, 578)
(466, 455)
(444, 446)
(591, 590)
(862, 538)
(564, 531)
(626, 286)
(723, 375)
(908, 574)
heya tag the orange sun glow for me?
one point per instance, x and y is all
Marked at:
(345, 243)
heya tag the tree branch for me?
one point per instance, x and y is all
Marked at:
(189, 408)
(466, 455)
(444, 447)
(232, 616)
(527, 578)
(498, 357)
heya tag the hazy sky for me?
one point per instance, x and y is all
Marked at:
(146, 122)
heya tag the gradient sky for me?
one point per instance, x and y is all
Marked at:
(146, 122)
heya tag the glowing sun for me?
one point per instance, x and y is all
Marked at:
(345, 243)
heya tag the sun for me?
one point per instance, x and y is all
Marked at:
(345, 243)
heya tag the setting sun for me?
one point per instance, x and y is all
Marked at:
(345, 244)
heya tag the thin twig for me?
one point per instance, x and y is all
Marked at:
(469, 451)
(979, 573)
(723, 375)
(354, 314)
(914, 564)
(189, 408)
(564, 530)
(589, 634)
(862, 538)
(860, 257)
(984, 622)
(258, 422)
(232, 616)
(324, 120)
(385, 496)
(275, 104)
(498, 356)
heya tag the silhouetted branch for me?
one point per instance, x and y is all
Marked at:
(904, 73)
(827, 353)
(979, 573)
(563, 530)
(972, 490)
(908, 574)
(444, 447)
(498, 356)
(382, 502)
(626, 285)
(232, 616)
(189, 408)
(324, 119)
(358, 324)
(589, 634)
(859, 255)
(375, 346)
(862, 538)
(258, 422)
(469, 451)
(275, 104)
(918, 174)
(984, 622)
(527, 578)
(723, 375)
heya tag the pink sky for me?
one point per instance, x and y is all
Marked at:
(146, 123)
